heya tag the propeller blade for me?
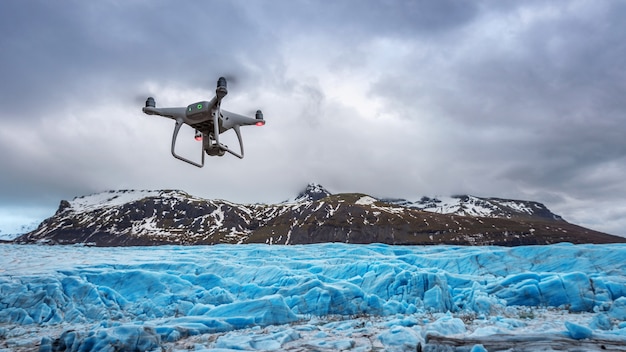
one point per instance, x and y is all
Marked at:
(231, 78)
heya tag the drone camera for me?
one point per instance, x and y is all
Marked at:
(150, 102)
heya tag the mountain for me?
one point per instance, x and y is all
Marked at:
(130, 218)
(311, 193)
(16, 231)
(466, 205)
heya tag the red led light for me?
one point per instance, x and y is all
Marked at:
(198, 138)
(260, 123)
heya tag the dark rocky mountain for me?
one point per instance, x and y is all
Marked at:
(311, 193)
(128, 218)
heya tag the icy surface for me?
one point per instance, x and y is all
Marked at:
(324, 297)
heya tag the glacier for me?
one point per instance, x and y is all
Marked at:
(323, 297)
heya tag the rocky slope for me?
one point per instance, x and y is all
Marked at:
(128, 218)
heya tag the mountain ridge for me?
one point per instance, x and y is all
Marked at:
(155, 217)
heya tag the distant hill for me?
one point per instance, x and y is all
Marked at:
(131, 217)
(16, 231)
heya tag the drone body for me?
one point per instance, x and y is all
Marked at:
(209, 120)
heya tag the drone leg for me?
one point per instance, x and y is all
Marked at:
(238, 133)
(179, 124)
(216, 132)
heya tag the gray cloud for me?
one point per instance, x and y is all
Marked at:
(396, 98)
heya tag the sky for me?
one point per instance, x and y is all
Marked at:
(392, 98)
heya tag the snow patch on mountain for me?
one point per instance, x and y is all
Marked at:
(455, 205)
(366, 200)
(112, 199)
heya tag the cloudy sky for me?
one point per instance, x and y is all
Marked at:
(514, 99)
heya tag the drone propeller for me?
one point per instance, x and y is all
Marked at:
(141, 99)
(231, 78)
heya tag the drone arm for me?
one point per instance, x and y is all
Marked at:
(235, 121)
(179, 124)
(231, 119)
(172, 113)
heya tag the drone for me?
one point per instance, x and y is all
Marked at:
(209, 121)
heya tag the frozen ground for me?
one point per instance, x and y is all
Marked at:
(325, 297)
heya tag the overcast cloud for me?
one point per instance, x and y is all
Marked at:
(518, 99)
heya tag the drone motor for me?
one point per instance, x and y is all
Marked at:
(259, 117)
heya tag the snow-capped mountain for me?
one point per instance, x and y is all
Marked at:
(466, 205)
(129, 217)
(312, 192)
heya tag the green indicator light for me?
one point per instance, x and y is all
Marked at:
(199, 106)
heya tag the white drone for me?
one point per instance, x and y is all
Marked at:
(209, 120)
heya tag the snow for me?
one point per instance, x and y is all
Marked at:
(366, 200)
(520, 207)
(467, 205)
(111, 199)
(312, 192)
(324, 297)
(473, 206)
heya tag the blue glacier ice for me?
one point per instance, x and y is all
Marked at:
(324, 296)
(578, 332)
